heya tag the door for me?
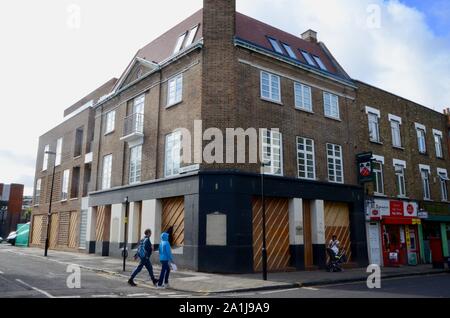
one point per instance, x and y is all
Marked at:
(277, 234)
(307, 235)
(374, 244)
(138, 113)
(412, 245)
(54, 222)
(337, 222)
(73, 230)
(36, 235)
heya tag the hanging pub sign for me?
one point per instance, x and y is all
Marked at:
(365, 168)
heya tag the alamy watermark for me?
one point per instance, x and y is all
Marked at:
(74, 279)
(74, 16)
(374, 279)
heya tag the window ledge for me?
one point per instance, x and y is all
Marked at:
(77, 157)
(376, 142)
(398, 148)
(333, 118)
(440, 158)
(305, 110)
(381, 195)
(72, 199)
(109, 132)
(428, 200)
(423, 153)
(63, 201)
(272, 101)
(174, 104)
(402, 197)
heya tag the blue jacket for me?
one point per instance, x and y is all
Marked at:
(165, 253)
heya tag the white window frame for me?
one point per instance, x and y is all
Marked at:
(400, 177)
(135, 164)
(332, 163)
(303, 155)
(438, 137)
(65, 185)
(175, 90)
(426, 188)
(180, 41)
(59, 144)
(272, 79)
(303, 97)
(172, 154)
(110, 122)
(443, 183)
(396, 130)
(379, 176)
(333, 101)
(45, 159)
(37, 192)
(422, 147)
(373, 117)
(272, 147)
(107, 171)
(191, 37)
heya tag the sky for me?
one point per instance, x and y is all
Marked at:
(54, 52)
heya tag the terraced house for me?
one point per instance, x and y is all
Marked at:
(408, 203)
(221, 69)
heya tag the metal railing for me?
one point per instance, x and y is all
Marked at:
(133, 124)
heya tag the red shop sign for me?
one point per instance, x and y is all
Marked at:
(396, 208)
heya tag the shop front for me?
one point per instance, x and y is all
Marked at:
(394, 232)
(436, 231)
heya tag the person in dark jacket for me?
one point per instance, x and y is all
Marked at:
(147, 249)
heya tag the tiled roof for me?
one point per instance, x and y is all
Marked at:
(249, 30)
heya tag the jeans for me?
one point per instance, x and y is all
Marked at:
(165, 271)
(148, 265)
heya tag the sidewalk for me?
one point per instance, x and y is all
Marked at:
(202, 283)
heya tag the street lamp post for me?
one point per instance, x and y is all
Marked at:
(125, 235)
(264, 247)
(50, 204)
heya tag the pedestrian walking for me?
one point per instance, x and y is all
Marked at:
(144, 252)
(165, 257)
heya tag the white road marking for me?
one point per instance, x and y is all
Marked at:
(277, 291)
(77, 296)
(166, 294)
(43, 292)
(138, 295)
(310, 288)
(104, 296)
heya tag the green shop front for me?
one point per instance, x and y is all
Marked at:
(436, 230)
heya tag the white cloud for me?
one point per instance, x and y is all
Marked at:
(46, 65)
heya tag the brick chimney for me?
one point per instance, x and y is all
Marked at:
(219, 62)
(310, 36)
(447, 113)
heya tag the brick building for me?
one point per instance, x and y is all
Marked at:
(409, 195)
(11, 197)
(71, 143)
(221, 69)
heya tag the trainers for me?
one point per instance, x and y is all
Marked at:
(166, 285)
(160, 287)
(132, 283)
(155, 282)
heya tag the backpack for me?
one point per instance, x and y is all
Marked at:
(141, 252)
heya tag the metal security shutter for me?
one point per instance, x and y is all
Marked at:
(83, 225)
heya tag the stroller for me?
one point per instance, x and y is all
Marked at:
(336, 261)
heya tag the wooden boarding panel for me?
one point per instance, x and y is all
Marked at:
(63, 230)
(173, 215)
(337, 222)
(103, 223)
(73, 230)
(307, 234)
(277, 234)
(53, 240)
(36, 236)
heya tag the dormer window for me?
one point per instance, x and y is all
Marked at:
(276, 46)
(289, 51)
(308, 58)
(320, 63)
(191, 36)
(180, 42)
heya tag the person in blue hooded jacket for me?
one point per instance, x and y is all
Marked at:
(165, 257)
